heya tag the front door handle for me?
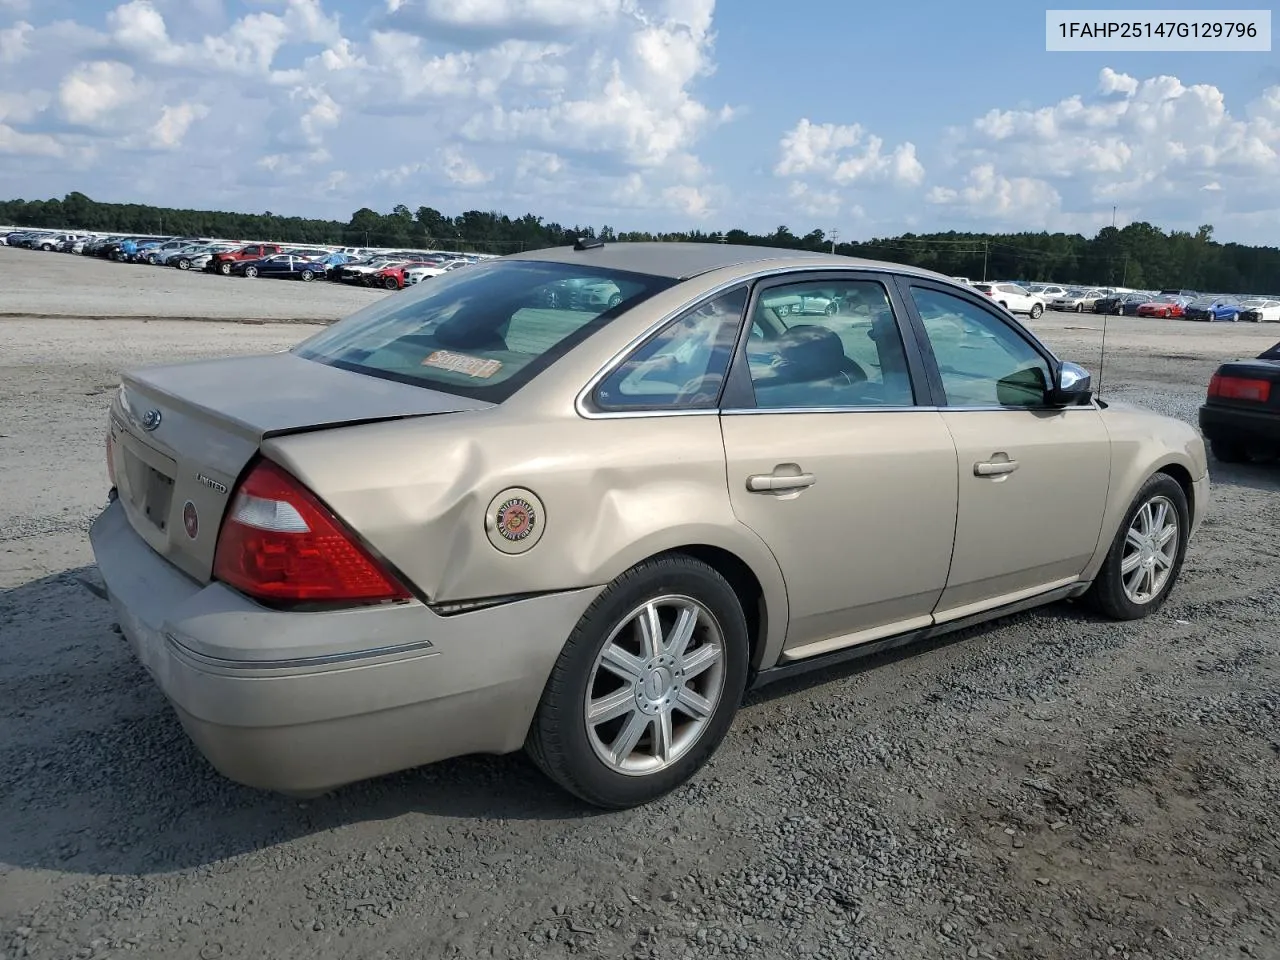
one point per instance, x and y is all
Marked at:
(994, 468)
(772, 483)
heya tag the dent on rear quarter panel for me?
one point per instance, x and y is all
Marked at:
(614, 492)
(1142, 444)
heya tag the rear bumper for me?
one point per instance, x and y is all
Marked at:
(1240, 426)
(305, 702)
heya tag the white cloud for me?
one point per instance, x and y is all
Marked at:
(92, 92)
(520, 18)
(171, 129)
(460, 170)
(813, 202)
(13, 42)
(845, 155)
(988, 195)
(1146, 143)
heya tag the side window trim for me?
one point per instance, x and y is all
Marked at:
(905, 282)
(640, 410)
(739, 395)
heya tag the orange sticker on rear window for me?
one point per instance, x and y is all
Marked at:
(461, 363)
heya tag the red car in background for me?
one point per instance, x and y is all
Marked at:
(391, 277)
(1165, 307)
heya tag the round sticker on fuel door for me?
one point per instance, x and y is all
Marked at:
(515, 520)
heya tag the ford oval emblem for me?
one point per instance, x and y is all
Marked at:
(151, 420)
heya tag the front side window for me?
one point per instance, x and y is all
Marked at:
(684, 365)
(482, 333)
(983, 361)
(827, 343)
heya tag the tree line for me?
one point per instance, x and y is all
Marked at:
(1138, 255)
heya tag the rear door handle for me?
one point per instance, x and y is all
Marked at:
(769, 483)
(994, 468)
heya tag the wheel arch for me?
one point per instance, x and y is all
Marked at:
(746, 585)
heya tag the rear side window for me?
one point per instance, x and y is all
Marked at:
(684, 365)
(483, 332)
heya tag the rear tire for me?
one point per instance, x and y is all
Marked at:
(307, 276)
(1229, 451)
(573, 752)
(1036, 311)
(1112, 593)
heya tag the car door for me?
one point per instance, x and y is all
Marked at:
(1033, 478)
(838, 460)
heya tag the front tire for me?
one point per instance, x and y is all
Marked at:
(1036, 311)
(225, 269)
(1079, 308)
(646, 687)
(391, 283)
(1147, 553)
(184, 264)
(250, 272)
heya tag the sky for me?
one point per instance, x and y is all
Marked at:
(640, 114)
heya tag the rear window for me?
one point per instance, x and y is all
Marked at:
(483, 332)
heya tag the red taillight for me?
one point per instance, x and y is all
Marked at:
(1239, 388)
(278, 542)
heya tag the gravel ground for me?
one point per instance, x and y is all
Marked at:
(1048, 786)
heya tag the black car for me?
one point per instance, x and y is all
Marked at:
(1121, 303)
(1241, 415)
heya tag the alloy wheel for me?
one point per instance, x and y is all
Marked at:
(1150, 550)
(655, 685)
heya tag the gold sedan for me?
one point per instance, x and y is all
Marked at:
(501, 511)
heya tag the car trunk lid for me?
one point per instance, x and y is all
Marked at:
(181, 435)
(1247, 384)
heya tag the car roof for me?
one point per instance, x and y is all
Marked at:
(681, 261)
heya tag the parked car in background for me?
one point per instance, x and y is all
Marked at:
(1260, 310)
(224, 263)
(1213, 309)
(1189, 294)
(282, 266)
(1122, 304)
(1013, 298)
(1241, 413)
(1077, 299)
(198, 257)
(1165, 306)
(456, 523)
(1049, 291)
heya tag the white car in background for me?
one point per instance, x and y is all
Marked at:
(1260, 310)
(1013, 298)
(1047, 290)
(425, 271)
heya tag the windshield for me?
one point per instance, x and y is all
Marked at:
(485, 332)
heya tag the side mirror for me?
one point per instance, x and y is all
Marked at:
(1073, 386)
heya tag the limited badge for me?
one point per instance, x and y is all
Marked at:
(516, 519)
(190, 520)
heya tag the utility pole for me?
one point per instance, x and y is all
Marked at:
(835, 235)
(1113, 216)
(986, 247)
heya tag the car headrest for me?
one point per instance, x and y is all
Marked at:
(460, 332)
(808, 352)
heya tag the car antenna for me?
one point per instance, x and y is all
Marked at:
(1102, 357)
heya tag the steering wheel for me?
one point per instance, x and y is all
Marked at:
(852, 370)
